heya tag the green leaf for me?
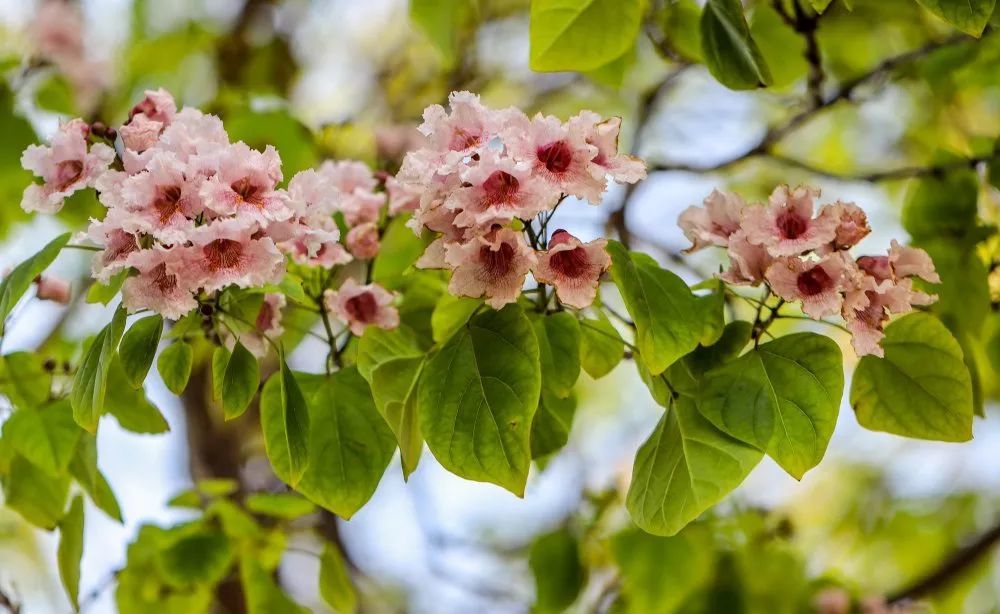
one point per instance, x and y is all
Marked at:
(969, 16)
(551, 425)
(450, 314)
(335, 584)
(84, 470)
(685, 467)
(263, 596)
(668, 318)
(478, 396)
(729, 50)
(103, 293)
(782, 397)
(350, 445)
(581, 35)
(138, 347)
(284, 418)
(820, 5)
(91, 379)
(203, 556)
(400, 248)
(47, 437)
(220, 359)
(283, 505)
(15, 284)
(559, 352)
(378, 346)
(601, 347)
(394, 388)
(941, 206)
(39, 497)
(239, 382)
(441, 21)
(558, 570)
(644, 560)
(129, 406)
(921, 388)
(70, 550)
(782, 48)
(25, 380)
(174, 365)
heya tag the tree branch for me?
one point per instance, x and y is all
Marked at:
(950, 569)
(9, 604)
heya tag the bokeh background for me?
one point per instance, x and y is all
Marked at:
(347, 79)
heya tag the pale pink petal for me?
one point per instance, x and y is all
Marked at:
(912, 262)
(493, 266)
(363, 306)
(573, 268)
(363, 241)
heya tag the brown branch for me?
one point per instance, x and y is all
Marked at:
(950, 569)
(9, 604)
(905, 172)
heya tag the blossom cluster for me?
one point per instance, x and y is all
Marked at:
(190, 213)
(803, 255)
(482, 177)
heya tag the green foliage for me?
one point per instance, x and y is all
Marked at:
(335, 584)
(441, 21)
(556, 563)
(782, 397)
(174, 364)
(84, 470)
(399, 249)
(39, 497)
(25, 381)
(285, 420)
(601, 347)
(450, 314)
(103, 293)
(728, 47)
(91, 380)
(394, 388)
(70, 550)
(282, 505)
(129, 406)
(582, 35)
(17, 282)
(239, 381)
(644, 559)
(349, 444)
(138, 347)
(46, 436)
(195, 556)
(262, 594)
(969, 16)
(478, 396)
(921, 388)
(558, 336)
(552, 423)
(942, 206)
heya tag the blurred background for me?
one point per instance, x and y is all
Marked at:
(345, 79)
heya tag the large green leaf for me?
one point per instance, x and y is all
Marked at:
(39, 497)
(335, 584)
(284, 418)
(394, 387)
(399, 249)
(558, 570)
(285, 505)
(582, 35)
(378, 346)
(669, 318)
(478, 396)
(91, 379)
(601, 347)
(921, 388)
(450, 314)
(941, 206)
(782, 397)
(70, 550)
(239, 381)
(441, 22)
(47, 436)
(197, 556)
(559, 352)
(138, 348)
(130, 407)
(969, 16)
(350, 445)
(685, 467)
(174, 364)
(552, 423)
(729, 50)
(24, 379)
(17, 282)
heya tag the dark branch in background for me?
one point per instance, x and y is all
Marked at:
(806, 24)
(950, 569)
(13, 607)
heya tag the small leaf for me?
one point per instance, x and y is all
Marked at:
(91, 379)
(284, 418)
(687, 558)
(551, 425)
(198, 557)
(450, 314)
(283, 505)
(581, 35)
(103, 293)
(70, 550)
(263, 596)
(84, 470)
(969, 16)
(17, 282)
(220, 359)
(378, 346)
(47, 437)
(478, 396)
(394, 388)
(942, 206)
(685, 467)
(174, 365)
(601, 347)
(240, 381)
(24, 380)
(138, 347)
(729, 50)
(335, 584)
(558, 570)
(921, 388)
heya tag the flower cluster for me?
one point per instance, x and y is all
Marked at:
(56, 36)
(484, 175)
(190, 213)
(804, 256)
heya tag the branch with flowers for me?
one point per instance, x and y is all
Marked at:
(468, 335)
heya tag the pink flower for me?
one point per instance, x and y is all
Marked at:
(786, 226)
(57, 30)
(158, 106)
(560, 155)
(465, 128)
(195, 138)
(352, 186)
(867, 323)
(267, 325)
(403, 196)
(492, 266)
(65, 167)
(164, 283)
(852, 224)
(713, 223)
(162, 199)
(817, 283)
(118, 246)
(230, 251)
(499, 190)
(246, 184)
(912, 262)
(603, 134)
(362, 306)
(362, 241)
(748, 261)
(51, 288)
(140, 133)
(573, 267)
